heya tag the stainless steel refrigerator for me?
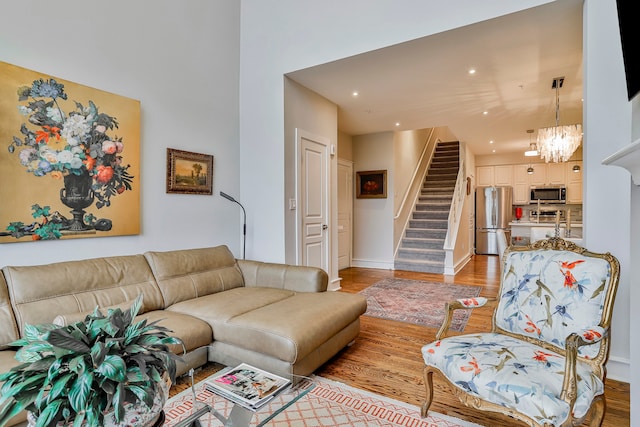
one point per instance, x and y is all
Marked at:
(493, 212)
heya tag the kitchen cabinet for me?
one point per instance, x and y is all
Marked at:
(548, 174)
(520, 185)
(574, 183)
(501, 175)
(485, 176)
(504, 175)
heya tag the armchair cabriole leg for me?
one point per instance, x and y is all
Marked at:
(428, 383)
(598, 408)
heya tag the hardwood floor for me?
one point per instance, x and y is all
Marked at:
(386, 359)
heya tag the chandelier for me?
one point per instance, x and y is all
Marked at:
(558, 143)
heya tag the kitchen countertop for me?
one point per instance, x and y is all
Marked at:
(543, 224)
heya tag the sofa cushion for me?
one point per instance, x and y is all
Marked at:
(193, 332)
(69, 318)
(40, 292)
(292, 277)
(220, 307)
(9, 329)
(192, 273)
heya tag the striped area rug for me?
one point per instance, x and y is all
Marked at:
(417, 301)
(325, 403)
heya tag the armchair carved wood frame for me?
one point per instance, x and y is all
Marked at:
(543, 361)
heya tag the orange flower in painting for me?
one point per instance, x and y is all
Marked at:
(48, 132)
(104, 175)
(89, 162)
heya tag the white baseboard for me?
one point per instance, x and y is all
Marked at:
(363, 263)
(334, 285)
(619, 369)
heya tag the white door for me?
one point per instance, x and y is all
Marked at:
(313, 209)
(345, 208)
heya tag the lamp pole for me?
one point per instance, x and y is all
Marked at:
(244, 224)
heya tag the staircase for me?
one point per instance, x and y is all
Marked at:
(422, 247)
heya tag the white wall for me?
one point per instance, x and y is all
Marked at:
(181, 60)
(309, 112)
(607, 128)
(373, 231)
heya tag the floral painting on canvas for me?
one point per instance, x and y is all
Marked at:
(69, 159)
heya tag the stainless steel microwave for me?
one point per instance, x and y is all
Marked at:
(548, 195)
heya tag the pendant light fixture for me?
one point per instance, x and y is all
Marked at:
(558, 143)
(533, 147)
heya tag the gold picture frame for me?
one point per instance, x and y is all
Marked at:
(189, 173)
(371, 184)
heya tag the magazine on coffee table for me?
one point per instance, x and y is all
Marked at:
(247, 385)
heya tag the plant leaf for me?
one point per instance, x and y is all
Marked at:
(48, 415)
(79, 392)
(63, 339)
(118, 402)
(59, 387)
(144, 394)
(113, 367)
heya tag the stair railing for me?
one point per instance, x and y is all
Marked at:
(457, 203)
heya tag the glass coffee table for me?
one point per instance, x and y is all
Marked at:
(204, 407)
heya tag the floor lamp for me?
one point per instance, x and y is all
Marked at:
(244, 225)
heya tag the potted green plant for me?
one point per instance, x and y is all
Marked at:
(92, 372)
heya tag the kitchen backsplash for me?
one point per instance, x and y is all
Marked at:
(548, 213)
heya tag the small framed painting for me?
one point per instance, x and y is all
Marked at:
(371, 184)
(189, 173)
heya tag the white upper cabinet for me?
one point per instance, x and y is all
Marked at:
(494, 175)
(504, 175)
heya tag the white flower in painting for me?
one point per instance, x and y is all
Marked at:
(65, 156)
(76, 125)
(54, 114)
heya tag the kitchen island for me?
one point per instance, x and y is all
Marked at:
(523, 232)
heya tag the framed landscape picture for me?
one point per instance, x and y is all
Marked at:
(371, 184)
(189, 173)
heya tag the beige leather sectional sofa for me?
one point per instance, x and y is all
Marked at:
(275, 316)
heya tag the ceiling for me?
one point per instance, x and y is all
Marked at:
(425, 83)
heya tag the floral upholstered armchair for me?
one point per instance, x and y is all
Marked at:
(543, 362)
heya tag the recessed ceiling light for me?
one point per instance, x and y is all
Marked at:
(397, 123)
(355, 93)
(485, 112)
(472, 71)
(493, 151)
(491, 142)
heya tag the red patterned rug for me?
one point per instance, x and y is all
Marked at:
(326, 403)
(416, 301)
